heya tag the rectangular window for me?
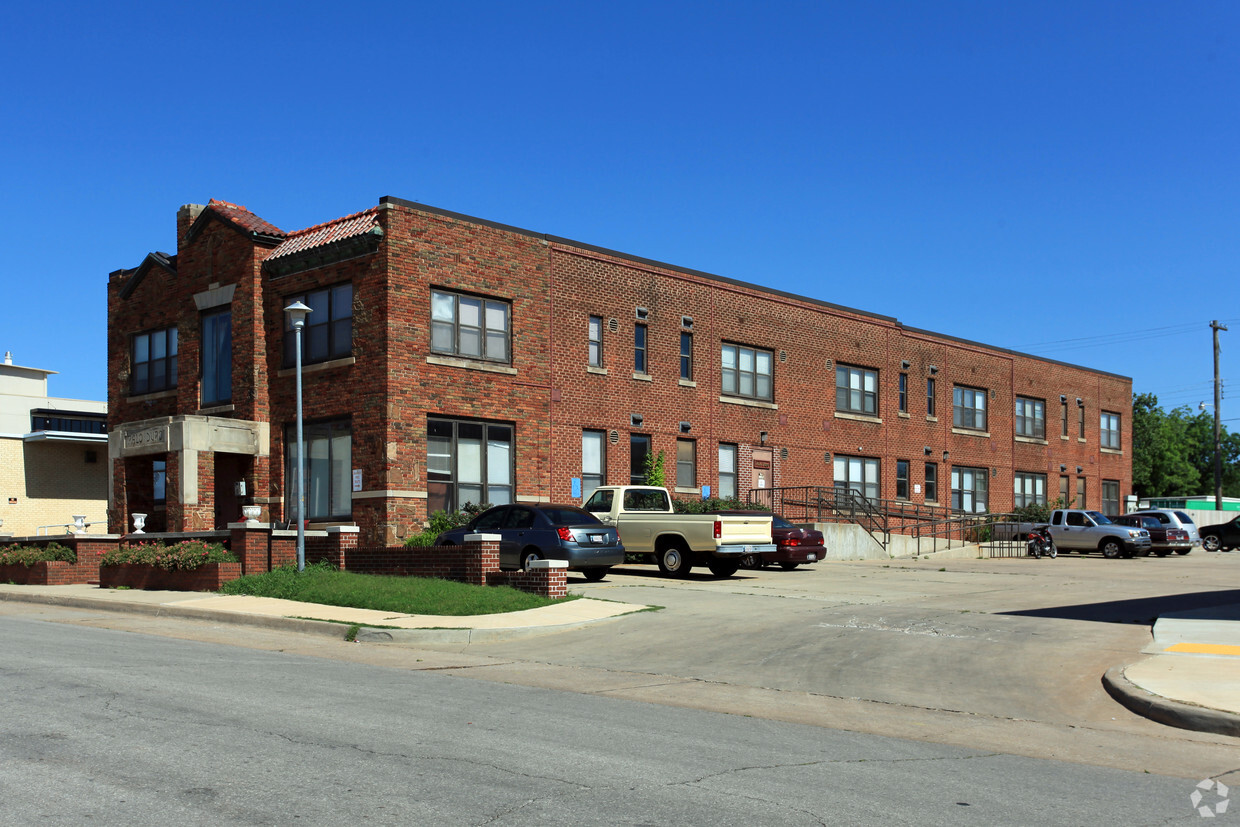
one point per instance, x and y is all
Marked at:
(932, 482)
(159, 470)
(328, 482)
(1064, 405)
(1110, 497)
(154, 361)
(596, 342)
(969, 408)
(1080, 493)
(930, 396)
(471, 327)
(1030, 418)
(216, 357)
(686, 356)
(727, 471)
(639, 348)
(1064, 497)
(901, 479)
(746, 372)
(1030, 489)
(328, 332)
(969, 489)
(902, 396)
(858, 474)
(639, 449)
(1080, 408)
(468, 462)
(593, 461)
(686, 463)
(856, 390)
(1109, 432)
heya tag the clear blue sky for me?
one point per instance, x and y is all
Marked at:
(1061, 178)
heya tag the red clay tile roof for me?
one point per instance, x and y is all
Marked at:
(327, 233)
(243, 218)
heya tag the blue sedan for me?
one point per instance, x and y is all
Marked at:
(545, 532)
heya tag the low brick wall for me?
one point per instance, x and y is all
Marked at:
(206, 578)
(88, 547)
(51, 573)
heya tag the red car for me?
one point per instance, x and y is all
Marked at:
(793, 546)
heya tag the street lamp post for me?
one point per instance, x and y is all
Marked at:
(297, 318)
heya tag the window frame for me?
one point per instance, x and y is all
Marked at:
(902, 479)
(637, 470)
(686, 463)
(1025, 489)
(686, 355)
(1116, 507)
(1109, 437)
(641, 348)
(902, 393)
(339, 490)
(870, 489)
(215, 357)
(960, 408)
(588, 474)
(959, 492)
(483, 328)
(930, 485)
(733, 475)
(739, 373)
(930, 396)
(594, 342)
(171, 349)
(488, 484)
(325, 320)
(867, 377)
(1031, 425)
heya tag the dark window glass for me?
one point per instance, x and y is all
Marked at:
(328, 332)
(930, 396)
(969, 489)
(686, 355)
(639, 449)
(328, 482)
(154, 361)
(595, 346)
(856, 390)
(902, 479)
(969, 408)
(746, 372)
(902, 396)
(216, 357)
(468, 462)
(932, 482)
(639, 348)
(469, 326)
(1031, 418)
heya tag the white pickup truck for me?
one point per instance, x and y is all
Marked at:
(643, 514)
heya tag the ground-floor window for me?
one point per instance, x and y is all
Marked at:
(1030, 489)
(969, 487)
(932, 482)
(686, 463)
(857, 473)
(1080, 493)
(329, 458)
(1110, 497)
(593, 461)
(468, 461)
(639, 450)
(727, 471)
(901, 479)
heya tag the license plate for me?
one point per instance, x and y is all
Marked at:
(598, 538)
(749, 549)
(811, 557)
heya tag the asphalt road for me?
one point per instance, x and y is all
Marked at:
(118, 727)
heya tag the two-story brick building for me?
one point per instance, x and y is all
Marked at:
(450, 359)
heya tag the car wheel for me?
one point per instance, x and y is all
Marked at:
(1111, 549)
(751, 561)
(595, 573)
(723, 568)
(529, 556)
(1183, 550)
(674, 561)
(1211, 542)
(788, 566)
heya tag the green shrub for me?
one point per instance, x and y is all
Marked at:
(184, 556)
(15, 555)
(712, 504)
(442, 521)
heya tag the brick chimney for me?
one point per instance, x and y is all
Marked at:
(185, 219)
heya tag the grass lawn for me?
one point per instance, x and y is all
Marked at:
(403, 595)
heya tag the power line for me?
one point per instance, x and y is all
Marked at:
(1083, 342)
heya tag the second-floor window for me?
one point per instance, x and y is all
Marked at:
(969, 408)
(639, 349)
(1031, 418)
(902, 395)
(328, 333)
(596, 342)
(154, 361)
(856, 390)
(1110, 430)
(930, 396)
(746, 372)
(217, 357)
(469, 326)
(686, 355)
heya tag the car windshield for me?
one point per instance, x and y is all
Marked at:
(567, 515)
(1099, 518)
(1184, 518)
(779, 522)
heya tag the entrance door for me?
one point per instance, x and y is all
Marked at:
(763, 474)
(229, 470)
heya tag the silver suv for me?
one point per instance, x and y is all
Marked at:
(1174, 518)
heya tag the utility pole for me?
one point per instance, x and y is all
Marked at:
(1218, 402)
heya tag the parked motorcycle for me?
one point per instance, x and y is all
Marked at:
(1040, 542)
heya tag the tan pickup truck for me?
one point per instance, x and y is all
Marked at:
(643, 514)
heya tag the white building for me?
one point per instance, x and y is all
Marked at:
(53, 456)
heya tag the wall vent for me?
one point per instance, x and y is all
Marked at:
(686, 322)
(783, 453)
(613, 325)
(783, 356)
(642, 314)
(613, 437)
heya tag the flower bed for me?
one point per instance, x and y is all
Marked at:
(19, 555)
(206, 578)
(186, 556)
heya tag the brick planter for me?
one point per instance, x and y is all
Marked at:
(206, 578)
(51, 573)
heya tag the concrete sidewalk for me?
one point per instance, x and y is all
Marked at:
(1191, 678)
(334, 621)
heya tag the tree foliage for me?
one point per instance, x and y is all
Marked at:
(1173, 452)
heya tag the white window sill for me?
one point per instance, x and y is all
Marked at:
(147, 397)
(688, 383)
(596, 370)
(877, 420)
(470, 364)
(1117, 451)
(1033, 440)
(968, 432)
(318, 366)
(902, 415)
(216, 409)
(748, 403)
(643, 377)
(931, 418)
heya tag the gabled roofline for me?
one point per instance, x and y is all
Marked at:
(163, 260)
(212, 211)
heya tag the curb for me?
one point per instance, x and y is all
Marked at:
(1166, 711)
